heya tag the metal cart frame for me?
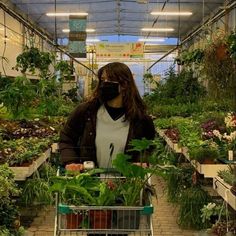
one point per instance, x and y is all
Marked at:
(122, 220)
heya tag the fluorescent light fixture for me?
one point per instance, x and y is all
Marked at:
(87, 30)
(92, 40)
(157, 29)
(90, 30)
(67, 14)
(171, 13)
(151, 40)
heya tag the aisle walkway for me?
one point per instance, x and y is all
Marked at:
(164, 218)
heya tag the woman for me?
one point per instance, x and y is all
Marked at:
(104, 125)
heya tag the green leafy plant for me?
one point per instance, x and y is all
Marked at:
(210, 210)
(66, 70)
(17, 97)
(191, 202)
(31, 59)
(231, 41)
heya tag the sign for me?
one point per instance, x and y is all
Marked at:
(77, 36)
(119, 50)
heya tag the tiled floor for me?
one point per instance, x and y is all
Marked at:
(164, 218)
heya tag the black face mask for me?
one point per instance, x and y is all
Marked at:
(109, 90)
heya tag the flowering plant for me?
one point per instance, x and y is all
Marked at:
(228, 137)
(209, 210)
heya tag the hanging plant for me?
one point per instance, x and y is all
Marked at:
(66, 70)
(189, 57)
(32, 59)
(231, 42)
(218, 68)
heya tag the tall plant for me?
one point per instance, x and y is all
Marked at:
(17, 97)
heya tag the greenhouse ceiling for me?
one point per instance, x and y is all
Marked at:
(120, 17)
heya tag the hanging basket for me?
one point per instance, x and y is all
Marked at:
(221, 52)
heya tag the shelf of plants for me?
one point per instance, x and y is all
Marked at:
(22, 172)
(223, 189)
(208, 170)
(174, 146)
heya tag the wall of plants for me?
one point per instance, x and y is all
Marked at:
(32, 112)
(195, 116)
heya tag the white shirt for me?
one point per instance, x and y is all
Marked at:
(111, 137)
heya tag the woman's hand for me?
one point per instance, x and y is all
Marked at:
(142, 164)
(75, 167)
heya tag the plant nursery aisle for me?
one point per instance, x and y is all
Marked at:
(164, 218)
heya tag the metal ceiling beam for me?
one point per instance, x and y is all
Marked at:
(196, 31)
(104, 1)
(41, 34)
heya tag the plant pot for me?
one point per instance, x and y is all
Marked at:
(126, 219)
(221, 52)
(208, 161)
(100, 219)
(73, 220)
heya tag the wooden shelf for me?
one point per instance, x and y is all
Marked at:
(223, 189)
(208, 170)
(22, 172)
(174, 146)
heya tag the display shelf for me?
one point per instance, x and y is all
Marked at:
(55, 147)
(22, 172)
(174, 146)
(223, 189)
(208, 170)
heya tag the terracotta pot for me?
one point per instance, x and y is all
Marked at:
(207, 161)
(100, 219)
(221, 52)
(73, 220)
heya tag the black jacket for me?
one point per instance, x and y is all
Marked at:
(77, 138)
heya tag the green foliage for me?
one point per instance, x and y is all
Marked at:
(189, 57)
(66, 70)
(191, 202)
(205, 151)
(177, 89)
(231, 41)
(227, 176)
(36, 189)
(8, 189)
(178, 179)
(17, 97)
(32, 59)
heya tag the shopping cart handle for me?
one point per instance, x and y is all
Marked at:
(147, 210)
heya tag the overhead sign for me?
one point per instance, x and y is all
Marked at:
(77, 36)
(119, 50)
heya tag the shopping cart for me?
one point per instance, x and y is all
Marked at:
(104, 220)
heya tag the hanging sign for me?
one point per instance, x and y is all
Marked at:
(77, 36)
(119, 50)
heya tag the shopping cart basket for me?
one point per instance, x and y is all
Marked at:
(103, 220)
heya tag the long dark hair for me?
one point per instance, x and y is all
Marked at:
(132, 101)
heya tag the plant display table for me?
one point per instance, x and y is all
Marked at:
(174, 146)
(22, 172)
(223, 189)
(208, 170)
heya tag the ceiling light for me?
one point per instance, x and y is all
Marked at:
(171, 13)
(158, 29)
(92, 40)
(67, 14)
(87, 30)
(90, 30)
(151, 40)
